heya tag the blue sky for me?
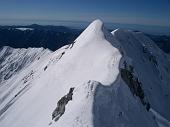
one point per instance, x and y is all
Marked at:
(145, 12)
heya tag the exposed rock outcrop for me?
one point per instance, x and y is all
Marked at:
(59, 111)
(134, 84)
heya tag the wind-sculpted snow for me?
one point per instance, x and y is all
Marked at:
(91, 65)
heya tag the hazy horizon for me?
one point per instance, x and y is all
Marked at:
(128, 14)
(151, 29)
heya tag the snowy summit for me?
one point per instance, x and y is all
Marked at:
(102, 79)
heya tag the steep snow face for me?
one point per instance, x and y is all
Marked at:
(151, 66)
(17, 71)
(91, 65)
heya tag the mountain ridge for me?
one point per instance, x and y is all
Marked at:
(109, 74)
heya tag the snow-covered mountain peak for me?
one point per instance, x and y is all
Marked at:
(95, 31)
(102, 79)
(96, 25)
(95, 46)
(95, 28)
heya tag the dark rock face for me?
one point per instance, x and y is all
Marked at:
(59, 111)
(134, 85)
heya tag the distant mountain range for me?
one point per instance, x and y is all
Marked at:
(162, 41)
(53, 37)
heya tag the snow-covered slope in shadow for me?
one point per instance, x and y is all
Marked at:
(150, 66)
(116, 105)
(92, 82)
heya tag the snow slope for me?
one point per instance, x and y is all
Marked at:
(154, 75)
(92, 65)
(16, 72)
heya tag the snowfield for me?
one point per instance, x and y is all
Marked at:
(24, 29)
(119, 79)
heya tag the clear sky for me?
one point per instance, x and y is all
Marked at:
(147, 12)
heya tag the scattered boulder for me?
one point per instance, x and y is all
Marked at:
(145, 49)
(152, 59)
(45, 68)
(72, 44)
(150, 56)
(61, 55)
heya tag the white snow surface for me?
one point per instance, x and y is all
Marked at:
(24, 29)
(39, 78)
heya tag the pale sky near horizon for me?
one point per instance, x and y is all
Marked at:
(144, 12)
